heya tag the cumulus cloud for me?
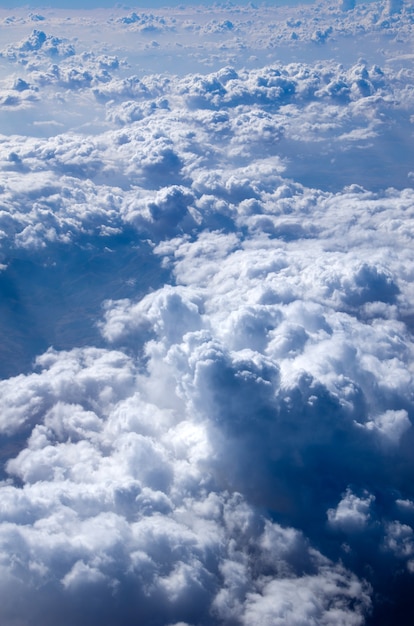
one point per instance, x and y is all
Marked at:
(352, 512)
(207, 311)
(109, 498)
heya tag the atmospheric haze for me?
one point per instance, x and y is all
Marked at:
(207, 315)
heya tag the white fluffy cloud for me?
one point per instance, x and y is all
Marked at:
(207, 310)
(352, 512)
(112, 498)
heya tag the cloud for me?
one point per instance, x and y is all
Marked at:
(391, 425)
(26, 397)
(207, 305)
(399, 540)
(101, 506)
(40, 43)
(352, 512)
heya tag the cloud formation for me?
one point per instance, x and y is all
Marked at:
(110, 498)
(207, 311)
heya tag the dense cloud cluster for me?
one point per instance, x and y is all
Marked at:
(207, 307)
(111, 512)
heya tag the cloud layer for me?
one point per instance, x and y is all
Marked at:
(207, 310)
